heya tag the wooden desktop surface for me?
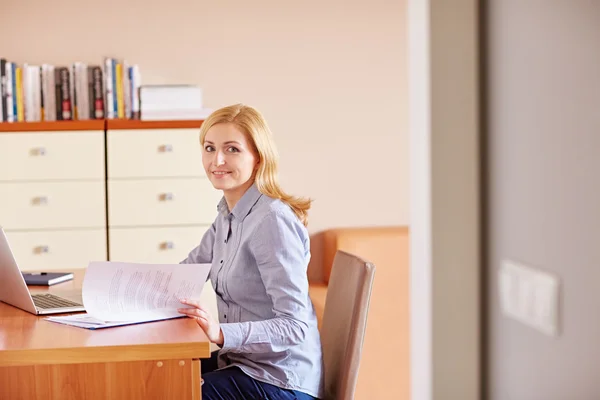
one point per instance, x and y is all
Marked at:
(30, 345)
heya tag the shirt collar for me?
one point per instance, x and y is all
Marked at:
(243, 206)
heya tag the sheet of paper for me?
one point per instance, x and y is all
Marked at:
(85, 321)
(115, 291)
(81, 320)
(78, 318)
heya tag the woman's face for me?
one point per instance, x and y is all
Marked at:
(229, 158)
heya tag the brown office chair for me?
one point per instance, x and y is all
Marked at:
(344, 323)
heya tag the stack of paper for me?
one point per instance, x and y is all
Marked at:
(172, 102)
(116, 294)
(85, 321)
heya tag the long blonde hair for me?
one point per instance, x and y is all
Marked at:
(254, 126)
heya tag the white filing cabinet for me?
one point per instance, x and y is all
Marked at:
(74, 192)
(53, 197)
(160, 201)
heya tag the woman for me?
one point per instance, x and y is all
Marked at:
(259, 249)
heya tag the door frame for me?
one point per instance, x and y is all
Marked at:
(445, 199)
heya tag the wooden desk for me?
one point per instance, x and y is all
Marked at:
(45, 360)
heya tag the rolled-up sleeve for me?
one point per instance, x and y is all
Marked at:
(203, 253)
(279, 246)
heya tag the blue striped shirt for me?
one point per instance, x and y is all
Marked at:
(259, 253)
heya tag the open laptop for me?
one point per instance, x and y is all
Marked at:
(14, 291)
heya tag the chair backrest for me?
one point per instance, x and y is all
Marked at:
(344, 323)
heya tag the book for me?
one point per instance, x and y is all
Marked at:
(117, 293)
(74, 91)
(46, 278)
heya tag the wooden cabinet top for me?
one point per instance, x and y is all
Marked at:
(96, 125)
(136, 124)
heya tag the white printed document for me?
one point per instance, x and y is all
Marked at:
(117, 293)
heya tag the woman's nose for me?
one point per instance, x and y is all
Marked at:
(219, 158)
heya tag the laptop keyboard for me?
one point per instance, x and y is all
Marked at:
(46, 301)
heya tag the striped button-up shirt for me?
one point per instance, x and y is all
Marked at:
(259, 253)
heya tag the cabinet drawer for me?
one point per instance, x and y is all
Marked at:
(154, 153)
(57, 250)
(49, 205)
(154, 245)
(51, 155)
(189, 201)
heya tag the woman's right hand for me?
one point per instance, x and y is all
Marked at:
(210, 326)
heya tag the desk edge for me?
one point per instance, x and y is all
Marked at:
(101, 354)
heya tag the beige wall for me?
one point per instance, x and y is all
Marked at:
(543, 95)
(330, 77)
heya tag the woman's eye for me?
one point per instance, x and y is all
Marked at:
(209, 148)
(233, 150)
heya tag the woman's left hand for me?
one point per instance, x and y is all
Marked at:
(209, 325)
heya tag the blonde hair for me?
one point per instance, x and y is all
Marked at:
(254, 126)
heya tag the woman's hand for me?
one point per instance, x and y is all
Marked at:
(209, 325)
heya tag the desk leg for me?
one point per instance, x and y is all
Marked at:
(166, 379)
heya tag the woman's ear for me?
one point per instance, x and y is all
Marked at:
(257, 164)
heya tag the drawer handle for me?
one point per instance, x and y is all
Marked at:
(166, 196)
(38, 151)
(167, 245)
(165, 148)
(40, 200)
(41, 250)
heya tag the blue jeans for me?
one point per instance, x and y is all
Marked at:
(233, 384)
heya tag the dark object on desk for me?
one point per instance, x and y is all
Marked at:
(46, 278)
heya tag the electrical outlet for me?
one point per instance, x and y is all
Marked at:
(530, 296)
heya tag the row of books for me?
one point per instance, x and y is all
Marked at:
(75, 92)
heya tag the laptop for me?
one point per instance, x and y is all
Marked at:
(14, 291)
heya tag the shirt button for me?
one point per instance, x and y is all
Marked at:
(225, 316)
(225, 240)
(221, 261)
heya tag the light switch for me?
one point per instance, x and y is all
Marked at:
(530, 296)
(546, 303)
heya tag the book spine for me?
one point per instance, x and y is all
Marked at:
(90, 91)
(36, 77)
(9, 93)
(73, 77)
(84, 89)
(67, 100)
(50, 92)
(120, 94)
(15, 93)
(114, 106)
(27, 83)
(135, 91)
(79, 111)
(3, 89)
(97, 91)
(108, 77)
(63, 100)
(126, 90)
(57, 94)
(43, 93)
(20, 96)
